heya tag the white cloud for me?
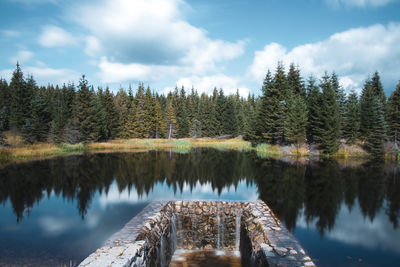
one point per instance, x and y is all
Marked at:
(22, 57)
(206, 84)
(353, 55)
(354, 229)
(44, 75)
(53, 36)
(358, 3)
(150, 39)
(53, 226)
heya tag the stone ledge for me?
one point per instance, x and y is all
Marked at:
(152, 236)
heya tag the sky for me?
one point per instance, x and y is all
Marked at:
(227, 44)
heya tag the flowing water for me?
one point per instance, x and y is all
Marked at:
(56, 212)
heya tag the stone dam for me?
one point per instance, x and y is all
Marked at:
(163, 231)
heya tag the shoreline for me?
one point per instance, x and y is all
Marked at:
(46, 150)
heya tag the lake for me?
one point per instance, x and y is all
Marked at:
(56, 212)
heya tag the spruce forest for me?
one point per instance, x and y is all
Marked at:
(289, 110)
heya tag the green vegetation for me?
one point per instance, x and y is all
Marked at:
(289, 113)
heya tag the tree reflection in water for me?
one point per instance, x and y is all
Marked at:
(316, 188)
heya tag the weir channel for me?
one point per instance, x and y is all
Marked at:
(171, 233)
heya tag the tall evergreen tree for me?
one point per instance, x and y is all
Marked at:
(37, 126)
(220, 106)
(314, 99)
(394, 116)
(376, 138)
(159, 127)
(141, 125)
(5, 97)
(329, 132)
(19, 102)
(351, 120)
(340, 98)
(229, 123)
(122, 105)
(263, 117)
(171, 121)
(295, 81)
(83, 122)
(181, 114)
(296, 123)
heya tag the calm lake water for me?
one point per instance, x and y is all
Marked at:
(58, 211)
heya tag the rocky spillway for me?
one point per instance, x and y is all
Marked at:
(249, 228)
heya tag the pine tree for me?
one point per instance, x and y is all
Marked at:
(141, 123)
(314, 111)
(340, 99)
(122, 105)
(329, 132)
(18, 100)
(181, 115)
(351, 120)
(377, 136)
(171, 121)
(263, 117)
(296, 123)
(229, 123)
(37, 125)
(159, 127)
(5, 96)
(220, 106)
(394, 116)
(83, 123)
(109, 115)
(295, 82)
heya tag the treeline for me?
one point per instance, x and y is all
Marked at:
(290, 110)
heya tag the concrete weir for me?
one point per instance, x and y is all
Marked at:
(247, 228)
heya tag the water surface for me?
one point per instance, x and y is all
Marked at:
(58, 211)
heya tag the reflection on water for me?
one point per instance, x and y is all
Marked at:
(48, 205)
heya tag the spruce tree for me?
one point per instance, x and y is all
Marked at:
(171, 121)
(314, 111)
(181, 114)
(394, 116)
(141, 128)
(18, 100)
(5, 97)
(330, 122)
(376, 138)
(295, 81)
(149, 103)
(159, 127)
(340, 98)
(229, 123)
(351, 125)
(296, 123)
(220, 106)
(263, 118)
(109, 121)
(122, 104)
(37, 126)
(83, 123)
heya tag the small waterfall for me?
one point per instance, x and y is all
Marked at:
(173, 233)
(237, 224)
(218, 231)
(223, 230)
(162, 251)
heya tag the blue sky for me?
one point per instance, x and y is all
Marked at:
(200, 43)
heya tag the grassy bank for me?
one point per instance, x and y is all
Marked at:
(17, 150)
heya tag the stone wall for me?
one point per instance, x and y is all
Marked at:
(152, 236)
